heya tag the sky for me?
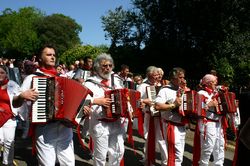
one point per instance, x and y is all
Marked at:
(87, 13)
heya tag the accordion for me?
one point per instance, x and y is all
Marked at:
(59, 98)
(189, 104)
(152, 92)
(226, 102)
(135, 102)
(119, 105)
(233, 101)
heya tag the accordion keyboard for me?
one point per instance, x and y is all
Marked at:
(113, 100)
(185, 100)
(39, 106)
(151, 93)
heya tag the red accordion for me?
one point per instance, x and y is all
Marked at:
(226, 102)
(120, 99)
(135, 101)
(189, 104)
(59, 98)
(201, 105)
(233, 101)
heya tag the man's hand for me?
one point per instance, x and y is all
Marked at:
(86, 110)
(30, 94)
(177, 101)
(103, 101)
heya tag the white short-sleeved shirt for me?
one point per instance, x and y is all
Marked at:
(168, 95)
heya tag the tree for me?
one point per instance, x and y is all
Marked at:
(234, 52)
(60, 30)
(23, 32)
(116, 26)
(18, 37)
(124, 28)
(195, 34)
(79, 52)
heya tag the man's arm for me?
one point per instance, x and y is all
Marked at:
(30, 94)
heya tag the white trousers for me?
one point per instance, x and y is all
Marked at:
(7, 137)
(54, 142)
(160, 143)
(111, 142)
(179, 144)
(212, 144)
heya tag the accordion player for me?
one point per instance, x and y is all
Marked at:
(55, 100)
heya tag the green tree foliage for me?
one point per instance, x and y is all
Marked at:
(18, 37)
(116, 26)
(234, 51)
(24, 31)
(193, 34)
(79, 52)
(60, 30)
(124, 28)
(127, 32)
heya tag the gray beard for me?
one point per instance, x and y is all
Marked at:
(104, 76)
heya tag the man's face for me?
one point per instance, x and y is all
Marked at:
(212, 84)
(105, 69)
(48, 58)
(89, 62)
(125, 72)
(179, 80)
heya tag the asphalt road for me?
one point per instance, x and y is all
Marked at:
(132, 156)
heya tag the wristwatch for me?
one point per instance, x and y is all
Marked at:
(172, 106)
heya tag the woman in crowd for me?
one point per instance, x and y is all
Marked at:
(8, 89)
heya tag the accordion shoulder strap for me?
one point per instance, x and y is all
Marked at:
(98, 83)
(39, 74)
(169, 87)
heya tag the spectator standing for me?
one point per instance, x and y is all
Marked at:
(8, 89)
(84, 70)
(71, 72)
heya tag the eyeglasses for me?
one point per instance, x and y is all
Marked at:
(107, 65)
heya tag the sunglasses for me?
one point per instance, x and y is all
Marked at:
(107, 65)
